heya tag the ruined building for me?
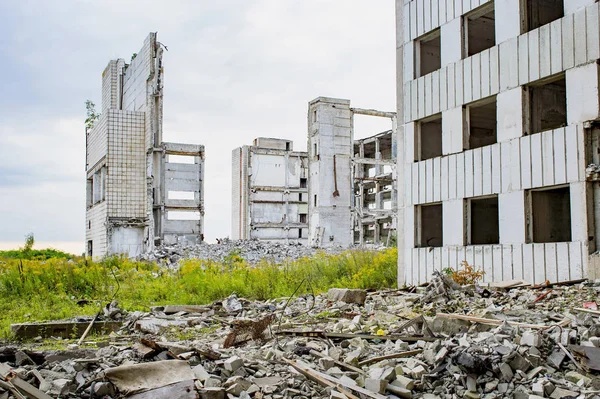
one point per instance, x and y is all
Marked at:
(140, 190)
(498, 108)
(269, 192)
(340, 192)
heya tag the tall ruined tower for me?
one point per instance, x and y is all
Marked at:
(330, 147)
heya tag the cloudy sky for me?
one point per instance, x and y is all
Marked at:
(234, 70)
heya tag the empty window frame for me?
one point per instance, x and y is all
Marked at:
(299, 233)
(428, 54)
(90, 248)
(315, 200)
(479, 30)
(547, 105)
(483, 225)
(303, 217)
(303, 182)
(429, 226)
(482, 124)
(429, 138)
(542, 12)
(549, 215)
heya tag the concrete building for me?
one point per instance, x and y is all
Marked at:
(498, 106)
(269, 192)
(140, 190)
(341, 192)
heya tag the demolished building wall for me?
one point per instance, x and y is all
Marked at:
(336, 194)
(496, 133)
(125, 162)
(269, 193)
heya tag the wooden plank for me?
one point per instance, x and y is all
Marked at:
(315, 376)
(377, 359)
(491, 322)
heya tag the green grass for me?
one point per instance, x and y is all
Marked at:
(36, 290)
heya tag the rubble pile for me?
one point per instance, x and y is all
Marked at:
(441, 341)
(252, 251)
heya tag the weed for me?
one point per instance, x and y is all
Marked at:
(468, 274)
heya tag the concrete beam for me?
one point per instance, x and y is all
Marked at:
(373, 112)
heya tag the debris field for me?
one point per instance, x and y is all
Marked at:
(505, 340)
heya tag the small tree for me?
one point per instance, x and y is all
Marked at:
(92, 116)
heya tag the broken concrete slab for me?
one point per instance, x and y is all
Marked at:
(347, 295)
(146, 376)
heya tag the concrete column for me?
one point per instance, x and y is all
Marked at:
(330, 128)
(511, 217)
(582, 93)
(510, 114)
(453, 125)
(400, 159)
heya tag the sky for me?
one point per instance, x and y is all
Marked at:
(234, 70)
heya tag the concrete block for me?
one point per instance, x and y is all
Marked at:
(530, 338)
(212, 393)
(578, 378)
(347, 295)
(582, 93)
(560, 393)
(233, 363)
(506, 373)
(376, 385)
(405, 382)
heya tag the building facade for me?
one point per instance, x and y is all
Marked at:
(338, 193)
(498, 105)
(140, 190)
(269, 192)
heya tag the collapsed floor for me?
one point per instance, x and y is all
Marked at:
(516, 342)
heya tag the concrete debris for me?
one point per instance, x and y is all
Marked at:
(252, 251)
(385, 346)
